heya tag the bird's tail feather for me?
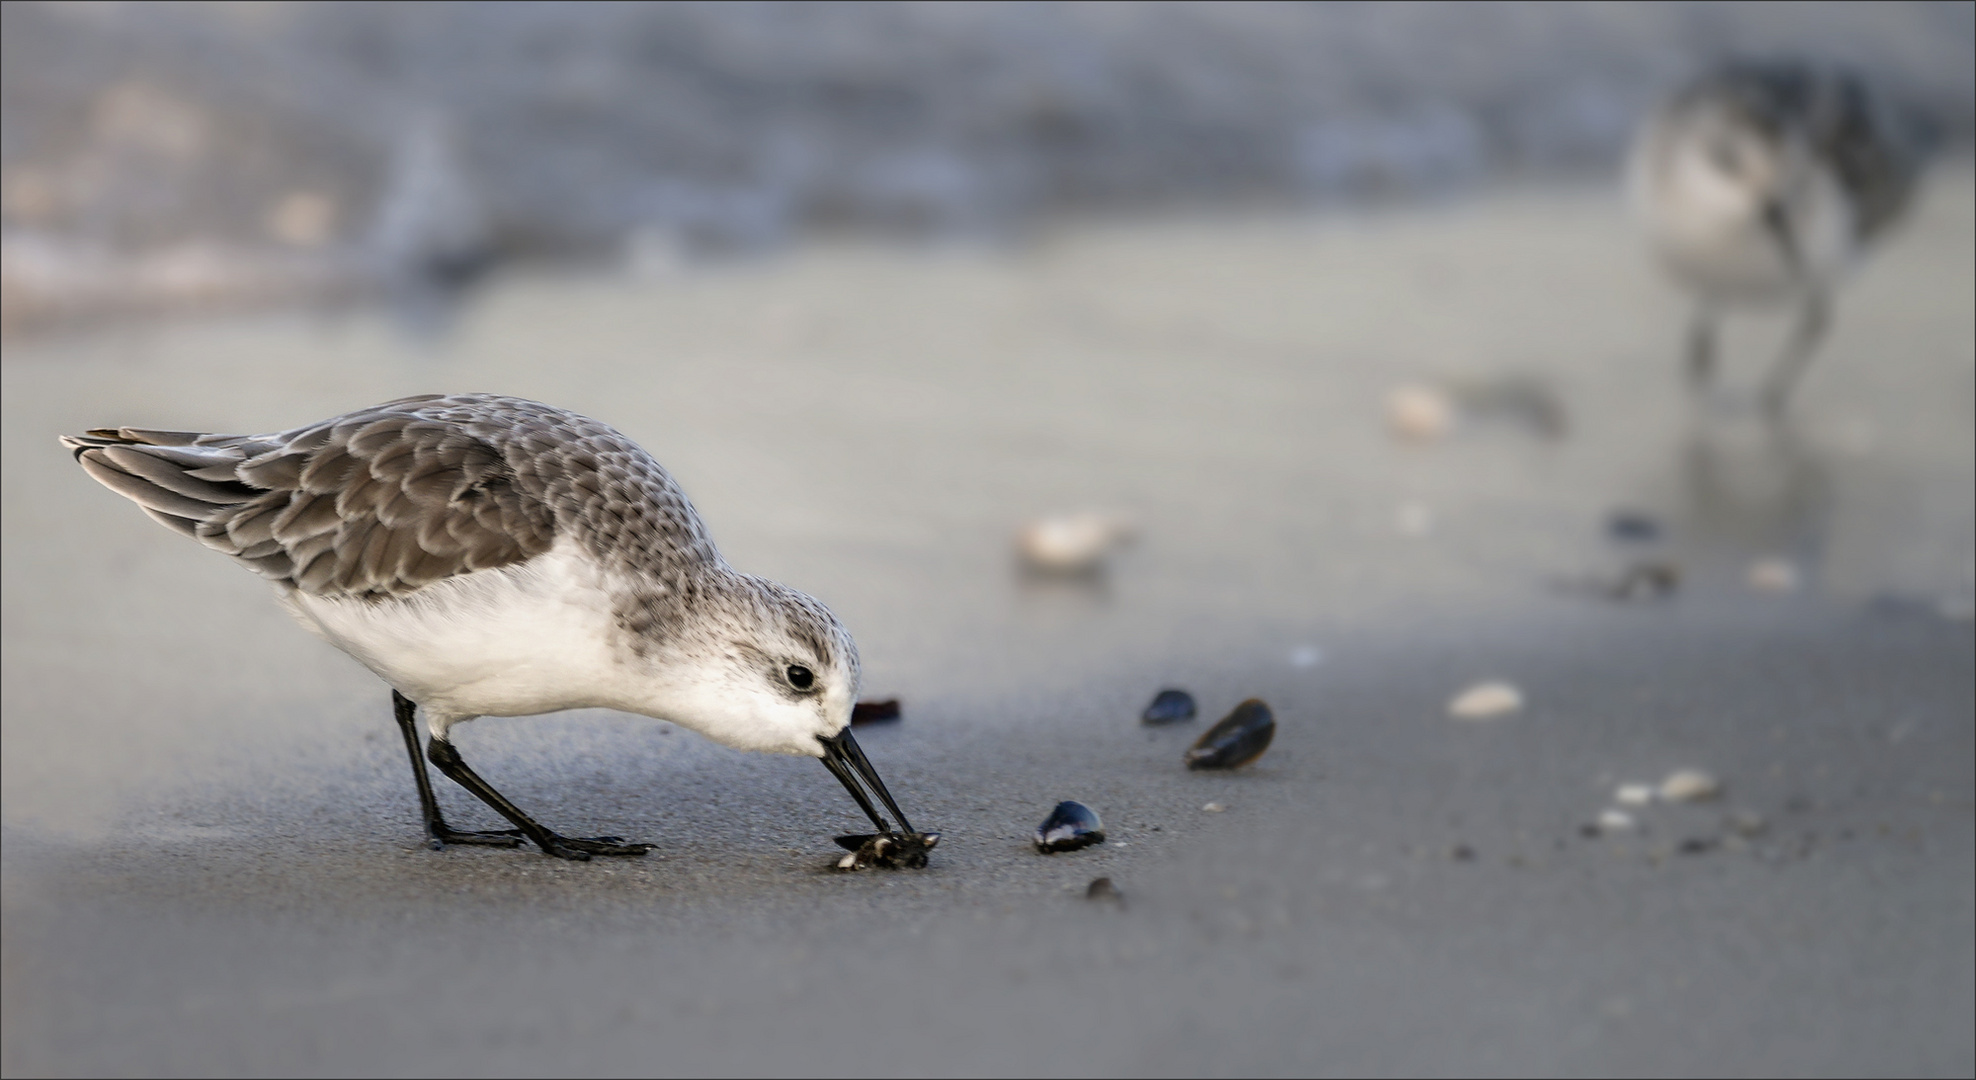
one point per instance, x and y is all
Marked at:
(180, 478)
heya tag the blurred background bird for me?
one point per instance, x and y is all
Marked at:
(1762, 183)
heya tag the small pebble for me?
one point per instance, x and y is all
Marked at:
(1634, 794)
(1169, 707)
(1615, 820)
(1689, 785)
(1461, 853)
(1419, 413)
(874, 712)
(1485, 701)
(1696, 845)
(1102, 890)
(1212, 808)
(1773, 574)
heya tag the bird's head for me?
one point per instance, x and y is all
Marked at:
(769, 668)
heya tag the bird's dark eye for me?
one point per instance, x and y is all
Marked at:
(800, 677)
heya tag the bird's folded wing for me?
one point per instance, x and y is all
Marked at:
(374, 504)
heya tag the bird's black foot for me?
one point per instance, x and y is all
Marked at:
(580, 848)
(442, 834)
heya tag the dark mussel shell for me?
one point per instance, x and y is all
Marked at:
(1169, 707)
(1070, 826)
(874, 712)
(893, 851)
(1237, 740)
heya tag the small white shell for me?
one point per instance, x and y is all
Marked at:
(1212, 808)
(1485, 701)
(1419, 413)
(1071, 543)
(1634, 794)
(1689, 785)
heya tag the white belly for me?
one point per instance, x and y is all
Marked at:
(509, 642)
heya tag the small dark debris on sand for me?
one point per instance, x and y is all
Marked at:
(874, 712)
(1641, 580)
(1102, 891)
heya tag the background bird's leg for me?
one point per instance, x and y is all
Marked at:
(1812, 321)
(1701, 351)
(447, 758)
(437, 832)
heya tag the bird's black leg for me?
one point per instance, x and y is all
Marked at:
(447, 758)
(1812, 321)
(437, 832)
(1701, 351)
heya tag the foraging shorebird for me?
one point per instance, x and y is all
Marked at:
(490, 556)
(1762, 184)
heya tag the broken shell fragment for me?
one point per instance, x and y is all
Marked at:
(1238, 739)
(1070, 826)
(874, 712)
(1169, 707)
(1485, 701)
(1689, 785)
(892, 851)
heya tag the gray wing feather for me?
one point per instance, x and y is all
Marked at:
(385, 500)
(375, 504)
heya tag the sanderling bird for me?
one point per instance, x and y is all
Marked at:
(1761, 184)
(490, 556)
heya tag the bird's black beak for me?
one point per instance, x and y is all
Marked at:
(848, 764)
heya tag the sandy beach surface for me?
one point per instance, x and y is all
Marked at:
(211, 860)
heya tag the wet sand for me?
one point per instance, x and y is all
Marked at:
(210, 858)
